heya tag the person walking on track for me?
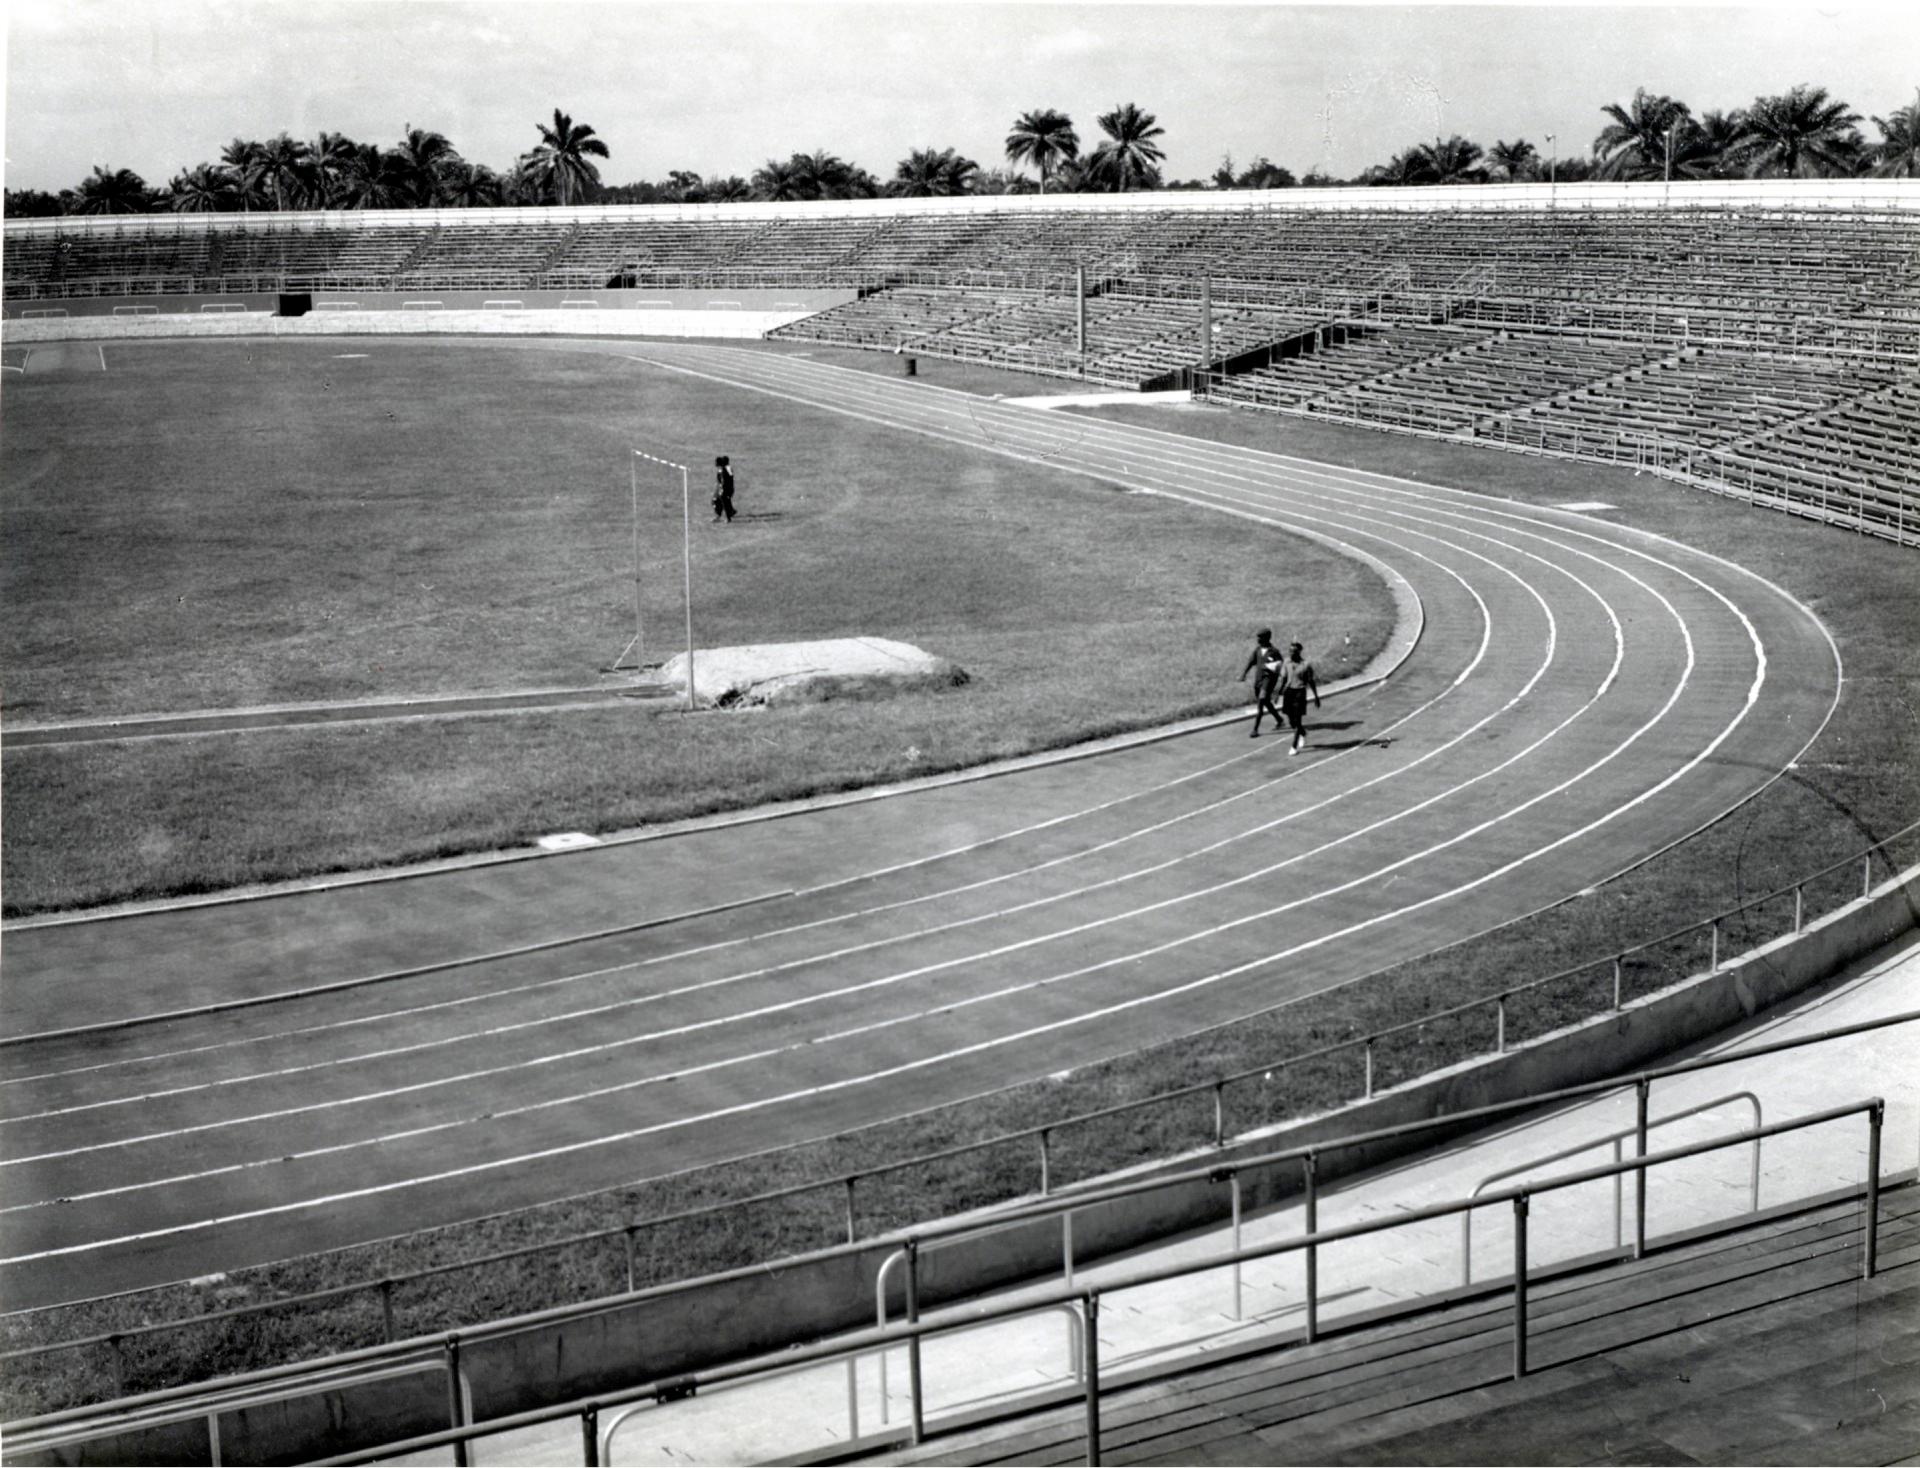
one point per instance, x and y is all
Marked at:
(1264, 663)
(722, 489)
(1297, 680)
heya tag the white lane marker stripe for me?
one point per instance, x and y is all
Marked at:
(818, 958)
(496, 1031)
(175, 1055)
(1762, 675)
(1024, 987)
(501, 1030)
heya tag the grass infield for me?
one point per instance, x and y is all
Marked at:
(226, 524)
(1855, 784)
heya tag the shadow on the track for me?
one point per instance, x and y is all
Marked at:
(1315, 730)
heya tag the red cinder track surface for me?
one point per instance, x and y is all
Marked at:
(1581, 696)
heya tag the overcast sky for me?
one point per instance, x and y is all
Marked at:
(158, 85)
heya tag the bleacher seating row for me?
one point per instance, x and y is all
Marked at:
(1754, 346)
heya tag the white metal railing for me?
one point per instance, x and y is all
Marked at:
(1614, 1139)
(1086, 1301)
(1889, 194)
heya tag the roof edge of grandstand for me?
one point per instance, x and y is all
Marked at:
(1795, 194)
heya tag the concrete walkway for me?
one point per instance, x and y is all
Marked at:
(1187, 1320)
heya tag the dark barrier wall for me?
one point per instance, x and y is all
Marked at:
(321, 302)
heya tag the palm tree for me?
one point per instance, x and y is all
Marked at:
(111, 191)
(1637, 143)
(729, 190)
(1451, 160)
(1897, 154)
(999, 181)
(286, 165)
(779, 182)
(824, 175)
(329, 155)
(559, 166)
(1800, 134)
(1712, 146)
(1516, 160)
(1130, 158)
(426, 159)
(1403, 169)
(246, 162)
(369, 177)
(1045, 139)
(204, 189)
(925, 174)
(469, 185)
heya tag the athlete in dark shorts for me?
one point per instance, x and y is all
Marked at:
(1264, 663)
(1297, 680)
(722, 489)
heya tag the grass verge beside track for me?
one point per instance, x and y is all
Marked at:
(1854, 785)
(216, 525)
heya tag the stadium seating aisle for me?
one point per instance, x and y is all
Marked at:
(1181, 1323)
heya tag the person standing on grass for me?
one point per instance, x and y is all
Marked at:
(1297, 680)
(1265, 664)
(723, 489)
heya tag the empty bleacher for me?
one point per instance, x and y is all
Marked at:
(1733, 346)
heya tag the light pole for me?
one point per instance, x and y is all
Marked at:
(1670, 127)
(1553, 168)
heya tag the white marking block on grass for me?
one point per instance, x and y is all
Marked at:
(566, 841)
(759, 671)
(1584, 507)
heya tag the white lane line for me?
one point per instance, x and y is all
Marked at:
(820, 958)
(625, 1004)
(1532, 856)
(967, 848)
(1137, 833)
(889, 980)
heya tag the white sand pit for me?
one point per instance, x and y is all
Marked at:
(782, 672)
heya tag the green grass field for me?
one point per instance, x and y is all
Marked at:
(1855, 785)
(228, 524)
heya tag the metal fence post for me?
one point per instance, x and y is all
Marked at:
(1219, 1113)
(1866, 875)
(1616, 982)
(852, 1236)
(1520, 1285)
(1310, 1167)
(117, 1363)
(1090, 1308)
(456, 1403)
(1234, 1183)
(913, 1342)
(1799, 906)
(1368, 1094)
(386, 1303)
(1046, 1162)
(1500, 1025)
(1713, 951)
(1641, 1088)
(1874, 1118)
(590, 1435)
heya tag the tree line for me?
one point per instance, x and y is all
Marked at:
(1801, 133)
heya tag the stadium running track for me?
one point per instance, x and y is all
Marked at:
(202, 1088)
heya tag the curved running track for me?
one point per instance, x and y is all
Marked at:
(1583, 696)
